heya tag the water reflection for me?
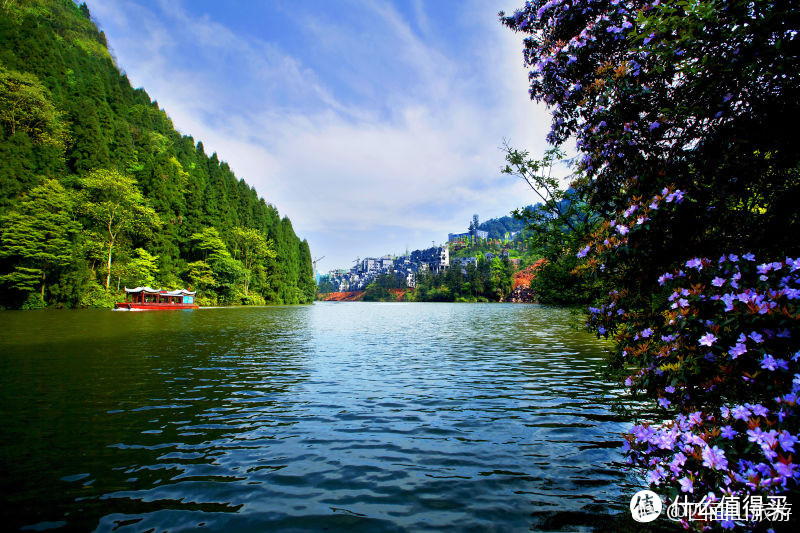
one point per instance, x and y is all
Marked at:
(338, 416)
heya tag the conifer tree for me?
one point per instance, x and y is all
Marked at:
(38, 235)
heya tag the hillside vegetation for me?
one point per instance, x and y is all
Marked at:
(98, 190)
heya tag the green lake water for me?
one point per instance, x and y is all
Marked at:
(336, 417)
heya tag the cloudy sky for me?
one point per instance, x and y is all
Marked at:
(375, 126)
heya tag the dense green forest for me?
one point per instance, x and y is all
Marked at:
(99, 191)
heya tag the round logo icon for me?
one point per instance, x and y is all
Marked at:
(645, 506)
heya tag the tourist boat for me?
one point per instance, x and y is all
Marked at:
(148, 299)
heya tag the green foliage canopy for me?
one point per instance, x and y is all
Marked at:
(68, 114)
(38, 236)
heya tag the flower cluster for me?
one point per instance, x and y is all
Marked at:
(650, 90)
(725, 362)
(615, 233)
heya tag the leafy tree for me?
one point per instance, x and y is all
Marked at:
(559, 226)
(502, 277)
(26, 107)
(684, 114)
(118, 209)
(38, 236)
(253, 247)
(326, 285)
(201, 278)
(141, 270)
(211, 245)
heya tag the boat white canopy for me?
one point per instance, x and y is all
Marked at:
(148, 290)
(179, 292)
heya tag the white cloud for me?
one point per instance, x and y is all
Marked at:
(400, 161)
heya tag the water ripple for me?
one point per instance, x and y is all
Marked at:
(348, 417)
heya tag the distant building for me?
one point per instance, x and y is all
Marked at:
(386, 263)
(463, 262)
(454, 237)
(436, 259)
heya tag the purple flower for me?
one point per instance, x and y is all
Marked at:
(664, 402)
(758, 409)
(696, 418)
(656, 475)
(707, 340)
(695, 263)
(584, 251)
(654, 125)
(670, 389)
(714, 458)
(737, 350)
(622, 229)
(749, 257)
(740, 412)
(787, 441)
(768, 362)
(785, 469)
(718, 282)
(686, 484)
(765, 439)
(647, 332)
(728, 432)
(728, 300)
(756, 337)
(677, 462)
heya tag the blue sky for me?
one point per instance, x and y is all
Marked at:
(375, 126)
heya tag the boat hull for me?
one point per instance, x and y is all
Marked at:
(153, 306)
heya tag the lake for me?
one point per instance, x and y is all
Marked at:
(335, 416)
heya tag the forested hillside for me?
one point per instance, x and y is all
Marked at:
(498, 227)
(98, 190)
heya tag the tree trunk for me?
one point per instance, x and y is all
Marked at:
(42, 284)
(108, 274)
